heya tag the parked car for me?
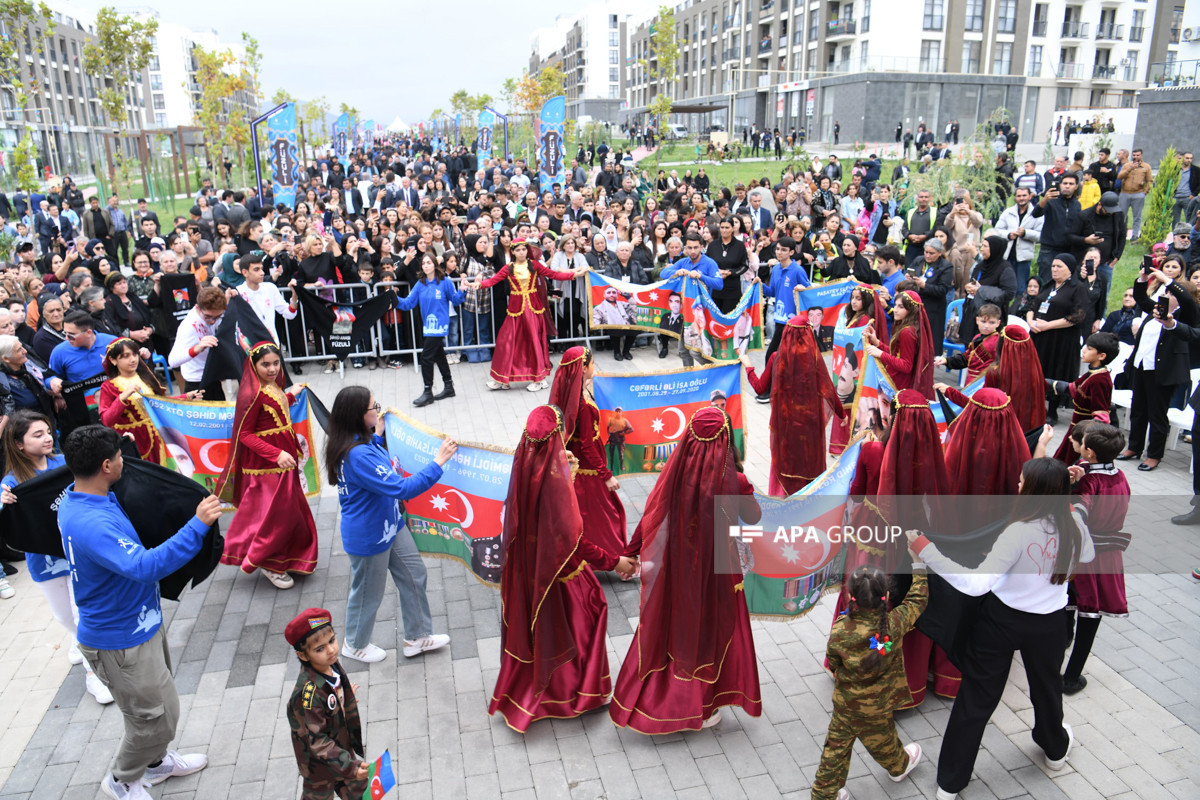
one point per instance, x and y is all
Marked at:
(677, 132)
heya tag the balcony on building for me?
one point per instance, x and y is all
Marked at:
(766, 11)
(840, 29)
(764, 47)
(1136, 33)
(1070, 71)
(1104, 73)
(1110, 31)
(1073, 29)
(1039, 27)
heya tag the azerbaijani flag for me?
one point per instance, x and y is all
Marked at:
(380, 778)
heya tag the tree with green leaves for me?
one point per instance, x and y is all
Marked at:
(219, 85)
(18, 18)
(313, 114)
(281, 96)
(661, 66)
(1156, 216)
(252, 66)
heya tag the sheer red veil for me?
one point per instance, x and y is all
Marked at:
(802, 394)
(913, 472)
(1018, 373)
(986, 447)
(923, 368)
(566, 390)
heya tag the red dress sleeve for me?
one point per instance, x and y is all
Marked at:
(748, 508)
(595, 556)
(866, 473)
(546, 272)
(591, 451)
(761, 385)
(248, 437)
(955, 396)
(111, 407)
(501, 274)
(900, 363)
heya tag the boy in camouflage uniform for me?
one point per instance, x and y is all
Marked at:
(323, 713)
(865, 656)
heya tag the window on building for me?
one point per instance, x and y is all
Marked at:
(1062, 98)
(154, 67)
(614, 91)
(864, 24)
(931, 55)
(864, 54)
(1035, 61)
(1137, 30)
(160, 102)
(970, 56)
(1131, 65)
(1041, 19)
(1007, 22)
(614, 39)
(1002, 58)
(156, 82)
(934, 18)
(160, 120)
(614, 58)
(612, 20)
(974, 21)
(1176, 23)
(814, 24)
(614, 75)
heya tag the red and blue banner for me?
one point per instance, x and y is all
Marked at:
(656, 408)
(871, 408)
(380, 778)
(284, 154)
(460, 516)
(824, 304)
(551, 135)
(197, 437)
(678, 306)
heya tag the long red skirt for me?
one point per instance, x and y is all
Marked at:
(839, 434)
(576, 687)
(273, 527)
(663, 703)
(522, 352)
(603, 513)
(921, 658)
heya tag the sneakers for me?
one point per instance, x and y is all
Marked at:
(914, 757)
(97, 689)
(843, 794)
(942, 794)
(358, 363)
(493, 385)
(368, 655)
(374, 363)
(120, 790)
(174, 765)
(712, 721)
(1058, 763)
(1074, 686)
(395, 363)
(281, 580)
(330, 367)
(453, 358)
(6, 590)
(73, 654)
(434, 641)
(536, 386)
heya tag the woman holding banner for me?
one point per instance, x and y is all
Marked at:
(553, 659)
(595, 487)
(909, 359)
(802, 397)
(129, 375)
(865, 307)
(693, 651)
(273, 528)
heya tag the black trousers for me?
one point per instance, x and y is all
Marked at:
(999, 632)
(434, 352)
(1195, 466)
(1149, 408)
(776, 338)
(622, 342)
(120, 242)
(211, 392)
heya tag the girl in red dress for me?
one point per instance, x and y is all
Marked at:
(127, 375)
(693, 651)
(864, 308)
(802, 396)
(909, 359)
(1017, 372)
(595, 487)
(522, 350)
(273, 528)
(553, 659)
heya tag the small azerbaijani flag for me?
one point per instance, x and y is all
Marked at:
(242, 340)
(380, 779)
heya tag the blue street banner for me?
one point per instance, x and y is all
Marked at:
(283, 147)
(550, 136)
(197, 437)
(798, 557)
(679, 307)
(457, 128)
(368, 130)
(643, 415)
(461, 516)
(343, 129)
(487, 121)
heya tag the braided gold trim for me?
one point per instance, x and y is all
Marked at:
(273, 471)
(587, 353)
(557, 415)
(913, 405)
(108, 350)
(582, 471)
(261, 346)
(1007, 402)
(724, 429)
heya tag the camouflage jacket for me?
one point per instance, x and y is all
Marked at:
(865, 693)
(327, 738)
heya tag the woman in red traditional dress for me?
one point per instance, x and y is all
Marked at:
(865, 308)
(273, 528)
(595, 487)
(802, 395)
(1018, 373)
(522, 349)
(127, 375)
(909, 358)
(553, 660)
(693, 651)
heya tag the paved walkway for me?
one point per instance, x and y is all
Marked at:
(1136, 724)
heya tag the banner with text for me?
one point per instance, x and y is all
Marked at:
(487, 120)
(343, 131)
(550, 143)
(282, 144)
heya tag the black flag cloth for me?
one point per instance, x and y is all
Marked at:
(158, 502)
(343, 325)
(240, 329)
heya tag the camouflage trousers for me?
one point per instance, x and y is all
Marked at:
(328, 790)
(877, 733)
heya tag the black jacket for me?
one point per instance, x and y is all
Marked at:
(1060, 230)
(1110, 226)
(1172, 364)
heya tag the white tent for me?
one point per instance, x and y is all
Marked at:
(398, 126)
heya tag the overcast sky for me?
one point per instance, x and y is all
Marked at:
(385, 58)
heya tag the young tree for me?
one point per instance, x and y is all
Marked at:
(220, 82)
(1156, 218)
(662, 67)
(313, 114)
(18, 16)
(281, 96)
(252, 66)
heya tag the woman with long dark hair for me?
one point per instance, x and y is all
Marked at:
(909, 357)
(371, 496)
(1023, 582)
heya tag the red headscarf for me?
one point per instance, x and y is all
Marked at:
(566, 390)
(542, 529)
(1018, 373)
(987, 447)
(801, 391)
(923, 362)
(687, 608)
(913, 471)
(229, 485)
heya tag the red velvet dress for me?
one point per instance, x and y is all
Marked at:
(981, 354)
(130, 418)
(1090, 393)
(664, 703)
(273, 527)
(522, 351)
(580, 685)
(602, 511)
(901, 360)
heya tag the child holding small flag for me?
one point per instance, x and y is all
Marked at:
(323, 713)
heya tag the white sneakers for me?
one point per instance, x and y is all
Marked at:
(120, 790)
(434, 641)
(494, 385)
(942, 794)
(1059, 763)
(914, 757)
(97, 689)
(174, 765)
(536, 386)
(6, 590)
(369, 654)
(712, 721)
(281, 580)
(73, 654)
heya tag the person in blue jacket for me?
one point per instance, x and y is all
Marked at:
(120, 630)
(695, 264)
(786, 275)
(434, 292)
(371, 495)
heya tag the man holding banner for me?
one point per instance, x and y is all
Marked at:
(698, 266)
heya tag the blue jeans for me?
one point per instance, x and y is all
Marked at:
(368, 577)
(474, 323)
(452, 329)
(1021, 270)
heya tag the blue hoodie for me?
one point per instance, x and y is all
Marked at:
(782, 287)
(435, 298)
(370, 494)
